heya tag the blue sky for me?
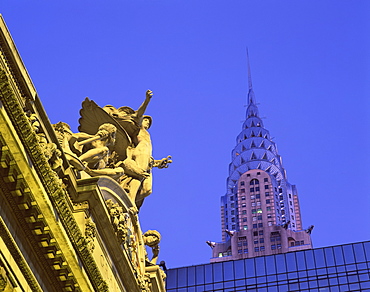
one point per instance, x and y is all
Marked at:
(310, 63)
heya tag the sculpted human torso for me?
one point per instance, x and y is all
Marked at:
(142, 153)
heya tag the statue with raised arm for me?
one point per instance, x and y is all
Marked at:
(125, 119)
(133, 145)
(138, 166)
(128, 118)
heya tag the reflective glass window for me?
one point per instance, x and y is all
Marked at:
(364, 277)
(239, 269)
(208, 274)
(228, 271)
(283, 287)
(352, 278)
(312, 284)
(171, 279)
(280, 263)
(293, 287)
(319, 258)
(309, 259)
(249, 265)
(341, 269)
(260, 266)
(228, 285)
(217, 272)
(191, 276)
(270, 265)
(329, 256)
(338, 255)
(240, 282)
(218, 286)
(359, 252)
(271, 278)
(291, 262)
(303, 285)
(367, 250)
(342, 280)
(351, 267)
(354, 287)
(272, 289)
(349, 256)
(199, 271)
(365, 285)
(292, 275)
(182, 277)
(321, 271)
(323, 282)
(301, 261)
(361, 266)
(332, 270)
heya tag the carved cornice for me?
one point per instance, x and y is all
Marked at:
(50, 181)
(18, 257)
(13, 63)
(16, 194)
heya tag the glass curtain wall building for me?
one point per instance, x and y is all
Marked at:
(335, 268)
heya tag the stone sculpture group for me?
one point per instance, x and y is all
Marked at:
(114, 142)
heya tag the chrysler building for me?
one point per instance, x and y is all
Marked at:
(260, 212)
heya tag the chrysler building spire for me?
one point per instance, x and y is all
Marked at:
(260, 208)
(251, 97)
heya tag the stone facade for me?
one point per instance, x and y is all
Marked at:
(63, 226)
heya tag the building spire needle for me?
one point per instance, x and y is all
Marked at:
(249, 73)
(250, 97)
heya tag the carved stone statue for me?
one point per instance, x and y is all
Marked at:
(95, 150)
(133, 146)
(128, 118)
(138, 165)
(125, 119)
(90, 153)
(152, 238)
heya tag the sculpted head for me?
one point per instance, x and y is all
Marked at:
(146, 122)
(110, 130)
(151, 238)
(124, 112)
